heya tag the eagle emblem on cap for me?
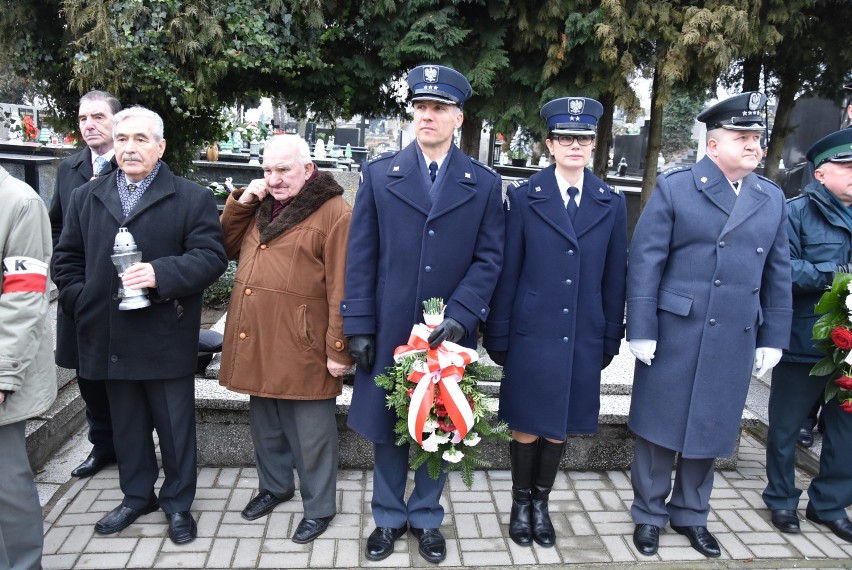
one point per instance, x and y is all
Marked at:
(430, 74)
(754, 101)
(575, 106)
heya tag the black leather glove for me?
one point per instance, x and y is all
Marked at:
(607, 360)
(362, 347)
(498, 356)
(845, 267)
(449, 329)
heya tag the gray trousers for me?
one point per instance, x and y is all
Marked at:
(651, 475)
(21, 530)
(300, 433)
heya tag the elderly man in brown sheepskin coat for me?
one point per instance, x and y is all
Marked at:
(284, 343)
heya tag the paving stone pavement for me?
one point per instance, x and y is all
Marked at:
(590, 511)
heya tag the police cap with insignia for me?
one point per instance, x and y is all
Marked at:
(836, 147)
(572, 115)
(438, 83)
(741, 112)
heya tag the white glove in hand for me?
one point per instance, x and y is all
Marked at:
(643, 349)
(764, 359)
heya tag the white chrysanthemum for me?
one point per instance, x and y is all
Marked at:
(849, 302)
(429, 426)
(430, 444)
(452, 455)
(848, 359)
(472, 439)
(441, 437)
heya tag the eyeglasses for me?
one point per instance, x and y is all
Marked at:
(568, 140)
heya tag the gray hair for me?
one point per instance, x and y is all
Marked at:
(138, 111)
(114, 104)
(295, 142)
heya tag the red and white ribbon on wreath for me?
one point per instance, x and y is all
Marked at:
(442, 372)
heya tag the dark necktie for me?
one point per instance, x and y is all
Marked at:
(572, 202)
(736, 186)
(433, 170)
(132, 187)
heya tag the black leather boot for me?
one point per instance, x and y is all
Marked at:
(524, 457)
(549, 456)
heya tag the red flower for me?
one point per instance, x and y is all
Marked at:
(842, 337)
(846, 405)
(845, 382)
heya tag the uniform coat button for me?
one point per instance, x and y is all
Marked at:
(431, 232)
(564, 339)
(760, 250)
(565, 311)
(243, 335)
(338, 344)
(712, 322)
(113, 358)
(570, 252)
(721, 244)
(263, 246)
(428, 268)
(717, 283)
(248, 291)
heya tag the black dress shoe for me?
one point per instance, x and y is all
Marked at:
(786, 520)
(380, 542)
(806, 437)
(646, 539)
(122, 517)
(700, 539)
(263, 504)
(182, 527)
(842, 528)
(92, 465)
(433, 547)
(309, 529)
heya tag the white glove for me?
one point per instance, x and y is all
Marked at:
(764, 359)
(643, 349)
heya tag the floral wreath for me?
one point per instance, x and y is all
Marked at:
(440, 410)
(833, 330)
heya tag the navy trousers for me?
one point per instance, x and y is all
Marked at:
(390, 474)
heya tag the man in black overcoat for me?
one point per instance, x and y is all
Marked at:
(146, 356)
(96, 159)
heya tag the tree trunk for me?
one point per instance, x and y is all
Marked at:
(655, 132)
(789, 85)
(604, 138)
(471, 135)
(751, 72)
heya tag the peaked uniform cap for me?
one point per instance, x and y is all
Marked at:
(438, 83)
(572, 115)
(836, 147)
(743, 112)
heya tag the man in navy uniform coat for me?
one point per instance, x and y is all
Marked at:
(820, 234)
(708, 300)
(558, 312)
(427, 222)
(96, 159)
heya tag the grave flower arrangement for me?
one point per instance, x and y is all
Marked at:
(833, 331)
(440, 410)
(30, 130)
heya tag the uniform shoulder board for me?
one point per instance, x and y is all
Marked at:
(383, 156)
(769, 180)
(483, 165)
(518, 182)
(794, 198)
(612, 189)
(675, 169)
